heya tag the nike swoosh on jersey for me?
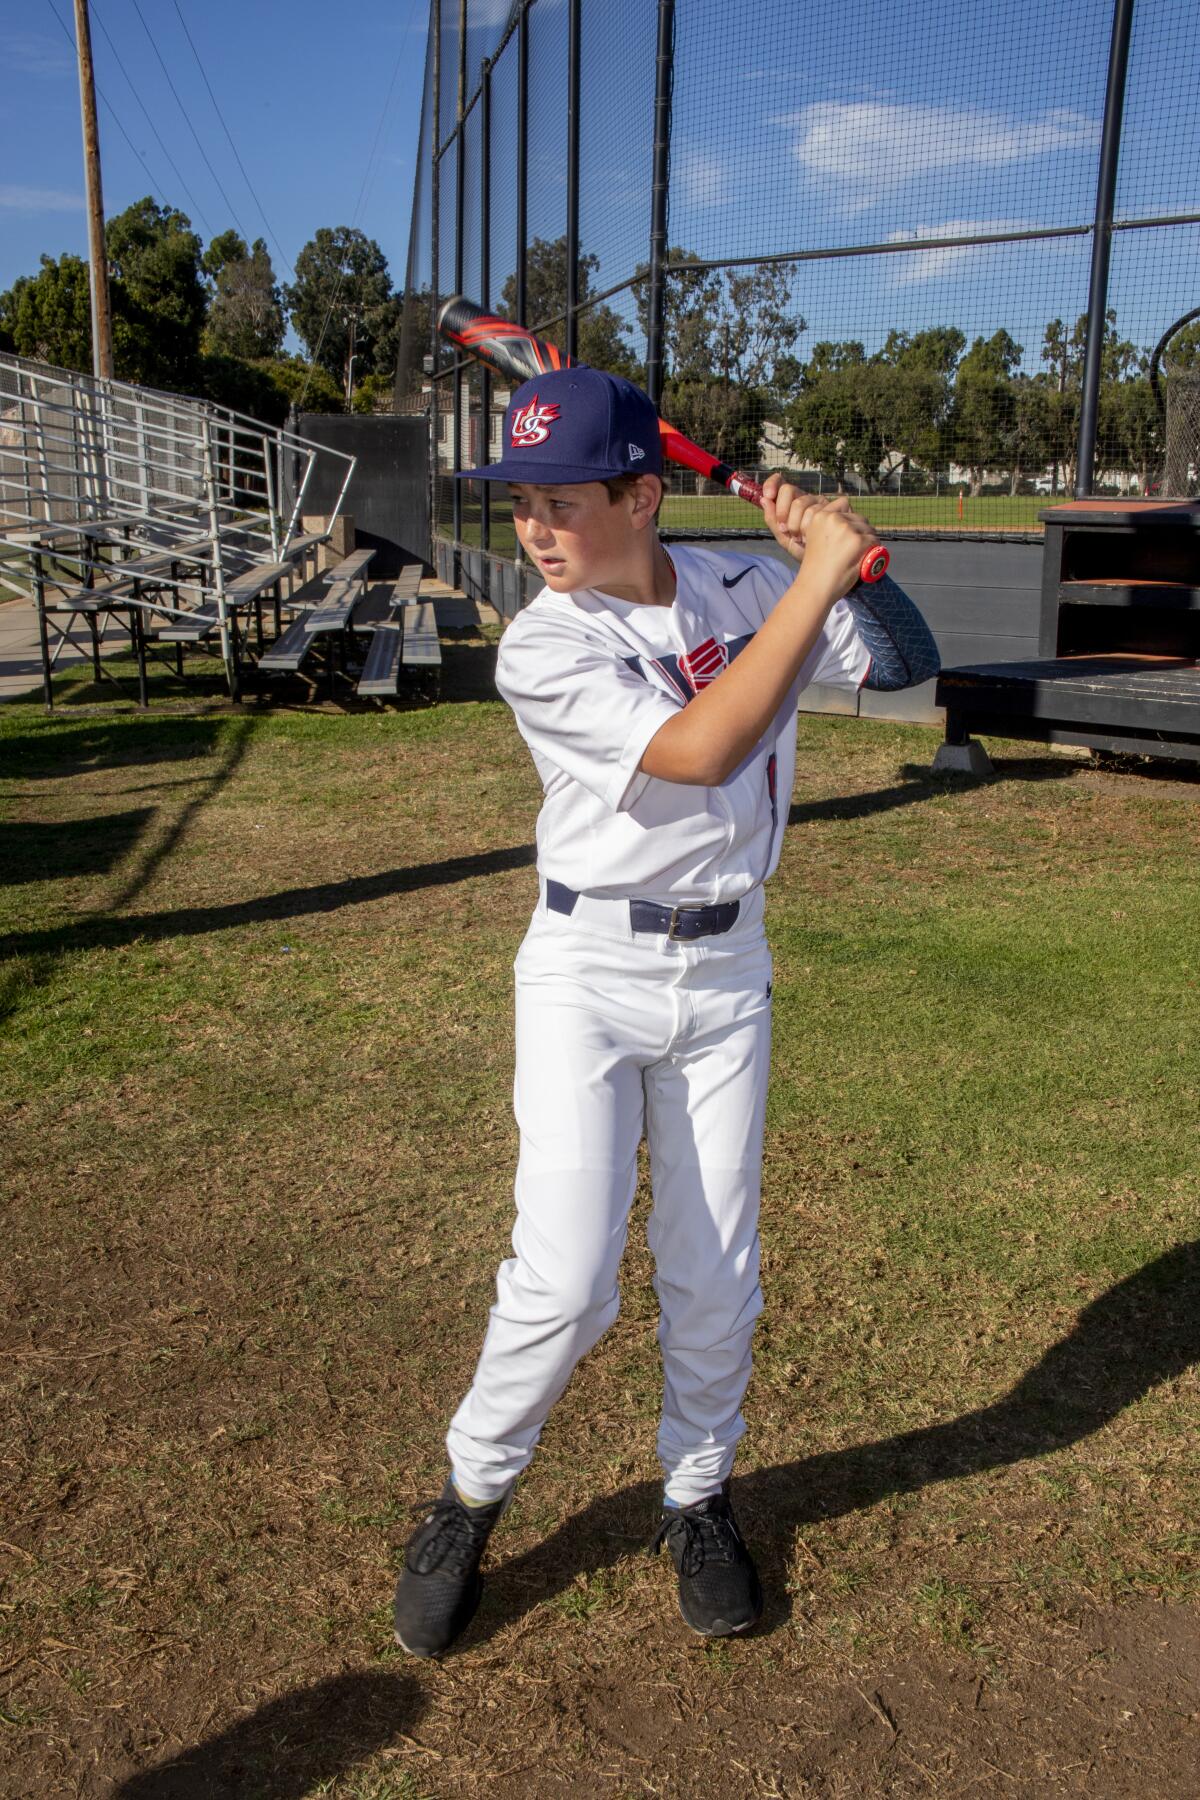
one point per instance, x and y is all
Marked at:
(732, 580)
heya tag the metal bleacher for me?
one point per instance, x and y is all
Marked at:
(168, 518)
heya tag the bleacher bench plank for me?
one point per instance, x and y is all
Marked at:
(200, 623)
(376, 607)
(302, 544)
(408, 583)
(333, 613)
(381, 672)
(255, 581)
(122, 576)
(288, 651)
(351, 568)
(419, 628)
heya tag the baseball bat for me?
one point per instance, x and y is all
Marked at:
(518, 355)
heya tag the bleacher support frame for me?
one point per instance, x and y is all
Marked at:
(89, 464)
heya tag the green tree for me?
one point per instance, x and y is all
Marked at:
(1028, 431)
(934, 351)
(922, 366)
(983, 416)
(691, 316)
(729, 339)
(228, 246)
(841, 420)
(600, 332)
(1065, 353)
(374, 394)
(48, 316)
(1130, 429)
(245, 313)
(158, 298)
(343, 290)
(724, 418)
(1183, 350)
(306, 386)
(874, 415)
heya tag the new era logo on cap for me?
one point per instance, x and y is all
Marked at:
(636, 453)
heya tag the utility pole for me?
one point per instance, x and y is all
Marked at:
(102, 355)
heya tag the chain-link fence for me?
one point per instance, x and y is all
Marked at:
(926, 254)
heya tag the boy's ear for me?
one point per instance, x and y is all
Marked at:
(647, 496)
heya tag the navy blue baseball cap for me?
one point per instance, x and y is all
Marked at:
(573, 425)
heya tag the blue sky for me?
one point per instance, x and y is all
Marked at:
(793, 128)
(304, 88)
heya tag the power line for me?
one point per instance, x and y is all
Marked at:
(224, 127)
(111, 110)
(195, 204)
(187, 119)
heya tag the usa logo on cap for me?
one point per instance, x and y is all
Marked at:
(531, 423)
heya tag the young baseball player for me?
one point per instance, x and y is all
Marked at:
(657, 693)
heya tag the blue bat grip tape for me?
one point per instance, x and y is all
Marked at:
(903, 652)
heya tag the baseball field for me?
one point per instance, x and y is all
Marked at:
(888, 512)
(257, 1162)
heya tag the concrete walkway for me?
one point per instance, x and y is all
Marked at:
(21, 655)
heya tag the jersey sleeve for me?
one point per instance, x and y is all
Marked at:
(580, 706)
(839, 658)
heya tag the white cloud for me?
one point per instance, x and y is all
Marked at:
(35, 55)
(27, 199)
(701, 179)
(869, 148)
(925, 265)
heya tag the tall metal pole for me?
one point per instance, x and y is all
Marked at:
(435, 276)
(485, 300)
(460, 192)
(522, 305)
(659, 193)
(522, 160)
(102, 353)
(1110, 150)
(573, 58)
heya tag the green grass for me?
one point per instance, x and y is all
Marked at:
(258, 1158)
(888, 512)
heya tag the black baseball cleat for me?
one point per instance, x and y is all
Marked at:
(440, 1584)
(719, 1590)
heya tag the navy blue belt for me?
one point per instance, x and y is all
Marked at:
(680, 923)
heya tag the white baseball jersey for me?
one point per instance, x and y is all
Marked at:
(591, 679)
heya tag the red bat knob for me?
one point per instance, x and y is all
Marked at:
(874, 563)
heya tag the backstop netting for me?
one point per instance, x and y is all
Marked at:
(879, 243)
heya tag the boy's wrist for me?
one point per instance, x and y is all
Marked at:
(812, 592)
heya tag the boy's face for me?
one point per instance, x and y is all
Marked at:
(578, 536)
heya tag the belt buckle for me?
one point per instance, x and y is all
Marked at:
(679, 913)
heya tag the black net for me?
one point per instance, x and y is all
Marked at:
(879, 243)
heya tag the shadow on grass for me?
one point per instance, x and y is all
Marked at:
(105, 931)
(920, 783)
(54, 749)
(32, 851)
(327, 897)
(37, 954)
(289, 1747)
(1140, 1333)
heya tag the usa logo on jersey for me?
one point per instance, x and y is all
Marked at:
(531, 424)
(703, 664)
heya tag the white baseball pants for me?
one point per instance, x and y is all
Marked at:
(620, 1033)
